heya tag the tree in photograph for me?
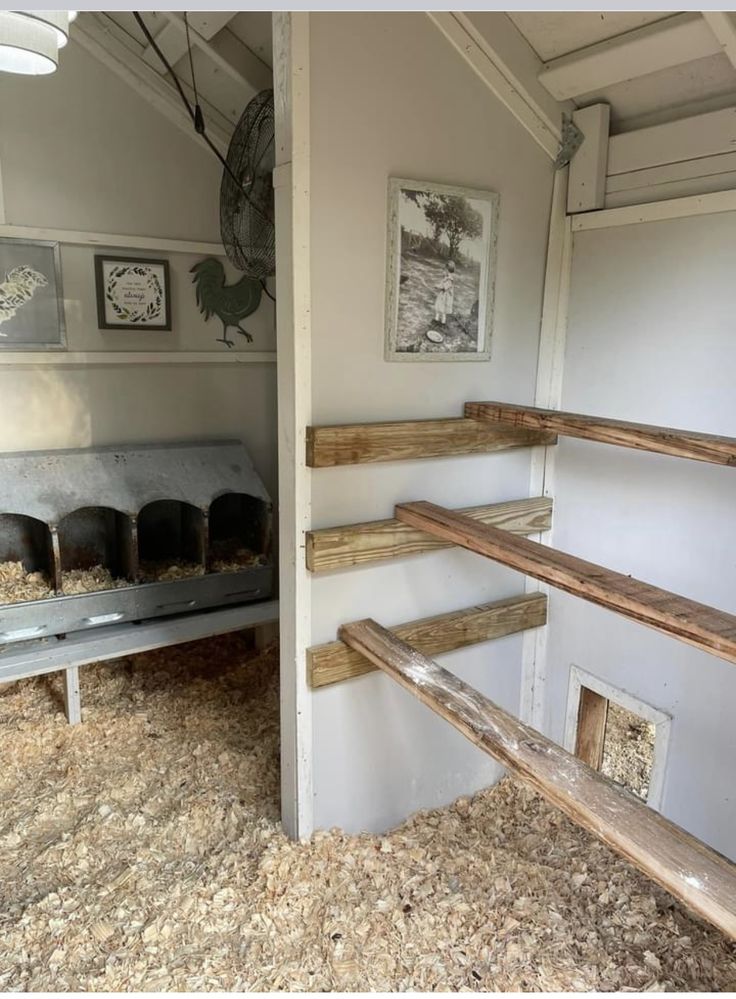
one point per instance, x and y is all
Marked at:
(459, 221)
(449, 215)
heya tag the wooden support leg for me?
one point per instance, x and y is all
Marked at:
(265, 634)
(72, 700)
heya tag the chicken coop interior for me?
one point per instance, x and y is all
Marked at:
(367, 446)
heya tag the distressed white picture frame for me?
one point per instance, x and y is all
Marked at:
(393, 350)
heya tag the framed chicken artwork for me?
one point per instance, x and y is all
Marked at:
(31, 298)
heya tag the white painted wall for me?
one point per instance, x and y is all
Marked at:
(79, 150)
(651, 339)
(389, 96)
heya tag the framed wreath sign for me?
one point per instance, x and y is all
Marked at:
(132, 293)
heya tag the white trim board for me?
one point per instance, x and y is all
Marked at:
(657, 211)
(291, 180)
(547, 395)
(669, 173)
(75, 237)
(672, 142)
(108, 358)
(662, 724)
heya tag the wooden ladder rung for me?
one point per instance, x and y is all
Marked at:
(698, 876)
(697, 624)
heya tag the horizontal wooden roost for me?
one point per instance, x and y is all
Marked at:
(697, 624)
(640, 436)
(698, 876)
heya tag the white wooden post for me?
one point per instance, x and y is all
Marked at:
(588, 168)
(72, 700)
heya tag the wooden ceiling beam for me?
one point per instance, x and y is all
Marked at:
(97, 39)
(248, 77)
(723, 26)
(696, 875)
(670, 42)
(203, 26)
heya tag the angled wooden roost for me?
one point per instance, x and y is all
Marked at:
(697, 875)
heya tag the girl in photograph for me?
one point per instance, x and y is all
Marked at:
(445, 301)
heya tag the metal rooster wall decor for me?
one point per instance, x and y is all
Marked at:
(231, 303)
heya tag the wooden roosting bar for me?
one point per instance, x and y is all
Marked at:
(640, 436)
(692, 872)
(698, 876)
(699, 625)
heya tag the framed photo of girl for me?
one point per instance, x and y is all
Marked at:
(440, 271)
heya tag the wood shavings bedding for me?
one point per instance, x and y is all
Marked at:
(230, 556)
(628, 749)
(168, 570)
(141, 851)
(18, 585)
(243, 558)
(90, 580)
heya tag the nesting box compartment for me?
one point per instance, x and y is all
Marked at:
(198, 512)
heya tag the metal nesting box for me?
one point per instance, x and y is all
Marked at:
(120, 506)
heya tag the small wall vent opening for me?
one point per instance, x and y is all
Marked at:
(615, 733)
(239, 532)
(97, 550)
(26, 559)
(171, 541)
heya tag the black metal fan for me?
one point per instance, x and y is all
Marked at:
(246, 192)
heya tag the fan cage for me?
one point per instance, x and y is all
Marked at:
(246, 192)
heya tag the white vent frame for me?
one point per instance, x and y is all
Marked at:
(662, 722)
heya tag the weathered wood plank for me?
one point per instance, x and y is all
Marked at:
(697, 624)
(358, 443)
(356, 544)
(701, 878)
(641, 436)
(591, 734)
(335, 661)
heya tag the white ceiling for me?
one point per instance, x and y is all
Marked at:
(693, 86)
(556, 33)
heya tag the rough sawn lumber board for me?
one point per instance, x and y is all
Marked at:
(640, 436)
(356, 544)
(357, 443)
(697, 624)
(335, 661)
(698, 876)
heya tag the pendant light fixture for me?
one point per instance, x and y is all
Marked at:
(30, 40)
